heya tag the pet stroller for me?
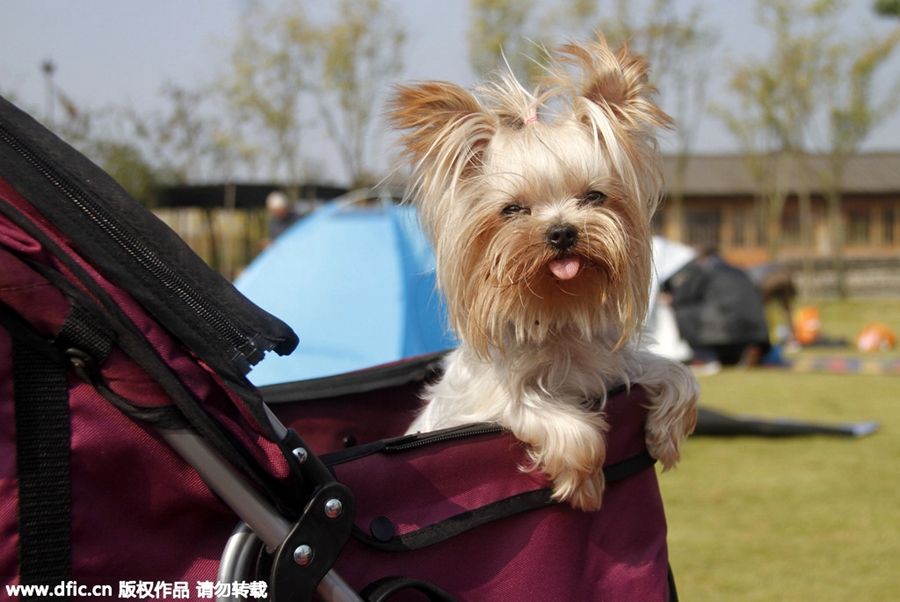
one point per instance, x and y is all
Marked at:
(138, 462)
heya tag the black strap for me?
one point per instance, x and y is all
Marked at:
(502, 508)
(42, 462)
(383, 589)
(43, 437)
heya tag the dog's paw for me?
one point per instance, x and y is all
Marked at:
(664, 443)
(672, 417)
(571, 453)
(582, 492)
(569, 448)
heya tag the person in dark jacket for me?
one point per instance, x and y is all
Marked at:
(719, 311)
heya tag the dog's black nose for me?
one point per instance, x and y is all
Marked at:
(562, 236)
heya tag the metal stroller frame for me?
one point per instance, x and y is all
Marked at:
(304, 551)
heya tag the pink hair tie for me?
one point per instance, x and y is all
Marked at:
(530, 119)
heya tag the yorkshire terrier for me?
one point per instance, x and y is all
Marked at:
(538, 206)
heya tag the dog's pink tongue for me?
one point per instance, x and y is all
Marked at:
(566, 268)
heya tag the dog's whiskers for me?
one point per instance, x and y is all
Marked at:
(564, 291)
(531, 290)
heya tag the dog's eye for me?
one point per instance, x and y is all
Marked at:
(515, 210)
(593, 197)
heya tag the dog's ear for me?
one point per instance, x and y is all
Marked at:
(446, 130)
(611, 96)
(617, 82)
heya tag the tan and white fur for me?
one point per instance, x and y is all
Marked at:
(538, 206)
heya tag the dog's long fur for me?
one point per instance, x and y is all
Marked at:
(538, 207)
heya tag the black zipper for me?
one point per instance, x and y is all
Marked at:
(421, 440)
(247, 349)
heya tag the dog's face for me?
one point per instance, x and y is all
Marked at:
(547, 241)
(540, 229)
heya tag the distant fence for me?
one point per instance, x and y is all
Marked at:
(863, 279)
(227, 239)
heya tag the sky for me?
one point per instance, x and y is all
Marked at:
(121, 52)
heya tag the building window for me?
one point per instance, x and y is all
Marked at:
(790, 228)
(739, 225)
(703, 229)
(858, 226)
(890, 220)
(745, 230)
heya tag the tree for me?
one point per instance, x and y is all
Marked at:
(265, 84)
(780, 98)
(887, 8)
(813, 93)
(189, 140)
(287, 68)
(360, 52)
(853, 115)
(499, 32)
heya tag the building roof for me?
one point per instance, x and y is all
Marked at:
(729, 175)
(243, 196)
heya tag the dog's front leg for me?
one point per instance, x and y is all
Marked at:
(674, 394)
(567, 444)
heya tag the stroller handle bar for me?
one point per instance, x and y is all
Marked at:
(251, 506)
(228, 484)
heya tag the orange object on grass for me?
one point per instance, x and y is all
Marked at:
(876, 337)
(807, 325)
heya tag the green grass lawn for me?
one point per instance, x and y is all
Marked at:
(801, 518)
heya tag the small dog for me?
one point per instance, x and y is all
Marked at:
(541, 233)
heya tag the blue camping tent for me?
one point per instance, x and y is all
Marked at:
(355, 280)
